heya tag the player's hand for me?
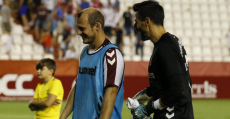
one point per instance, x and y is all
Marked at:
(140, 113)
(57, 102)
(30, 102)
(32, 108)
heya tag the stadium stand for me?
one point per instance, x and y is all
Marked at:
(201, 25)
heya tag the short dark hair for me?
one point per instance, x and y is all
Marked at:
(49, 63)
(151, 9)
(94, 17)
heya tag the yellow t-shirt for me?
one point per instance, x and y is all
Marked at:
(54, 86)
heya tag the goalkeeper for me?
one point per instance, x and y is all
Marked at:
(169, 78)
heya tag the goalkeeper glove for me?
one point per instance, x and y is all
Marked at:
(140, 112)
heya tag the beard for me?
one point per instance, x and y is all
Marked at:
(88, 39)
(144, 37)
(143, 33)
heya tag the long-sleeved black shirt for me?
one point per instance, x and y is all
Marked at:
(169, 79)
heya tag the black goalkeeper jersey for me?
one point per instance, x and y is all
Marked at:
(169, 79)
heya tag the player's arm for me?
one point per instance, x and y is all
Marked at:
(144, 111)
(173, 79)
(175, 92)
(46, 103)
(32, 108)
(171, 66)
(113, 75)
(35, 98)
(138, 109)
(142, 96)
(108, 102)
(52, 97)
(69, 104)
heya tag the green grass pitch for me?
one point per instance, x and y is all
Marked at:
(203, 109)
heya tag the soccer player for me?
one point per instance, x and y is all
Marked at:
(48, 95)
(99, 89)
(169, 78)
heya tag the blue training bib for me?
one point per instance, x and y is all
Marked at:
(90, 91)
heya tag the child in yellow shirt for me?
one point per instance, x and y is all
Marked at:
(48, 95)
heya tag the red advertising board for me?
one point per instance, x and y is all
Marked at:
(22, 87)
(202, 87)
(18, 79)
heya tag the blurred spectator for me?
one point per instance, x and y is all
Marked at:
(109, 17)
(96, 3)
(33, 9)
(6, 15)
(50, 26)
(119, 37)
(78, 2)
(116, 17)
(49, 4)
(54, 23)
(49, 22)
(228, 37)
(71, 53)
(128, 22)
(23, 12)
(40, 23)
(84, 4)
(9, 43)
(101, 7)
(59, 17)
(60, 2)
(78, 10)
(63, 5)
(69, 5)
(67, 1)
(46, 41)
(117, 5)
(14, 5)
(139, 43)
(63, 46)
(105, 3)
(70, 21)
(1, 3)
